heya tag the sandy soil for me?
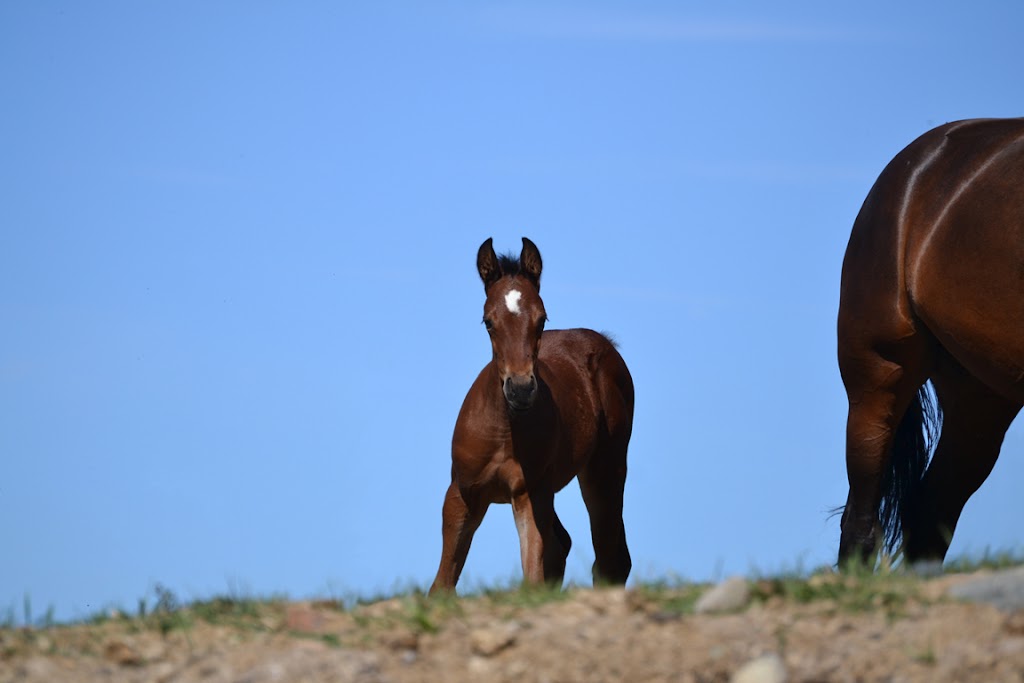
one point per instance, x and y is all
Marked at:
(830, 628)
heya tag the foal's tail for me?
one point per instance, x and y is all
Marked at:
(913, 444)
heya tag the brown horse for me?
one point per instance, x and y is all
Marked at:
(549, 406)
(932, 289)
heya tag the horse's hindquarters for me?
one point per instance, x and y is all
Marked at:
(966, 277)
(933, 282)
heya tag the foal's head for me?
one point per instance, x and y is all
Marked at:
(514, 316)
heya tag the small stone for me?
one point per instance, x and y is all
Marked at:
(664, 616)
(1014, 623)
(478, 666)
(303, 618)
(1003, 589)
(160, 673)
(517, 670)
(37, 668)
(612, 600)
(304, 665)
(490, 641)
(119, 652)
(765, 669)
(152, 650)
(728, 596)
(927, 569)
(408, 641)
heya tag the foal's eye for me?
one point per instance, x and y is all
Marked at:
(540, 325)
(488, 324)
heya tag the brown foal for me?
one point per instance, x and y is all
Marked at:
(550, 406)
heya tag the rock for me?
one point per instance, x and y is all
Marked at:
(381, 609)
(404, 642)
(1003, 589)
(927, 569)
(1014, 623)
(612, 600)
(766, 669)
(303, 618)
(160, 673)
(480, 667)
(37, 668)
(488, 642)
(298, 664)
(728, 596)
(119, 652)
(151, 650)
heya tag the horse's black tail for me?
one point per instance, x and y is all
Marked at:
(913, 444)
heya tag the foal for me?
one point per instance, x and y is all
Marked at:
(549, 406)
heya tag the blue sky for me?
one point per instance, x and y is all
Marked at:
(240, 309)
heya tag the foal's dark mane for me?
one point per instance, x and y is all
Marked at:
(510, 264)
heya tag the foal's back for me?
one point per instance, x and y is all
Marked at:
(588, 379)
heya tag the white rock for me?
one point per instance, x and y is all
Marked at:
(1004, 589)
(766, 669)
(488, 642)
(728, 596)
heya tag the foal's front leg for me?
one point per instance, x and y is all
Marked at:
(543, 553)
(460, 522)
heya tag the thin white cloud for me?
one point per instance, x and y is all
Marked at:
(776, 172)
(590, 24)
(757, 171)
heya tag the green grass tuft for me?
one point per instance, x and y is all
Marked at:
(673, 598)
(525, 595)
(989, 559)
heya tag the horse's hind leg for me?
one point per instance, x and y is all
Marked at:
(879, 390)
(460, 522)
(974, 423)
(602, 482)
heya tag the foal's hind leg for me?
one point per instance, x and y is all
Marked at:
(602, 482)
(564, 544)
(460, 522)
(974, 423)
(543, 541)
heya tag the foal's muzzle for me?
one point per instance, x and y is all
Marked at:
(520, 392)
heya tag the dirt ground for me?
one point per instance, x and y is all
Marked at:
(827, 628)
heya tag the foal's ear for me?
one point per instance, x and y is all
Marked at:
(487, 264)
(529, 261)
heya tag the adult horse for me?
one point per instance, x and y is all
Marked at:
(932, 289)
(548, 407)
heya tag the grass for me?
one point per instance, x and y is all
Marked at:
(889, 589)
(673, 597)
(400, 619)
(522, 595)
(888, 592)
(422, 615)
(988, 559)
(10, 618)
(926, 656)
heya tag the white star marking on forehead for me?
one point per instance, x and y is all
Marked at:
(512, 301)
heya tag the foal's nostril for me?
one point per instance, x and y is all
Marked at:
(520, 391)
